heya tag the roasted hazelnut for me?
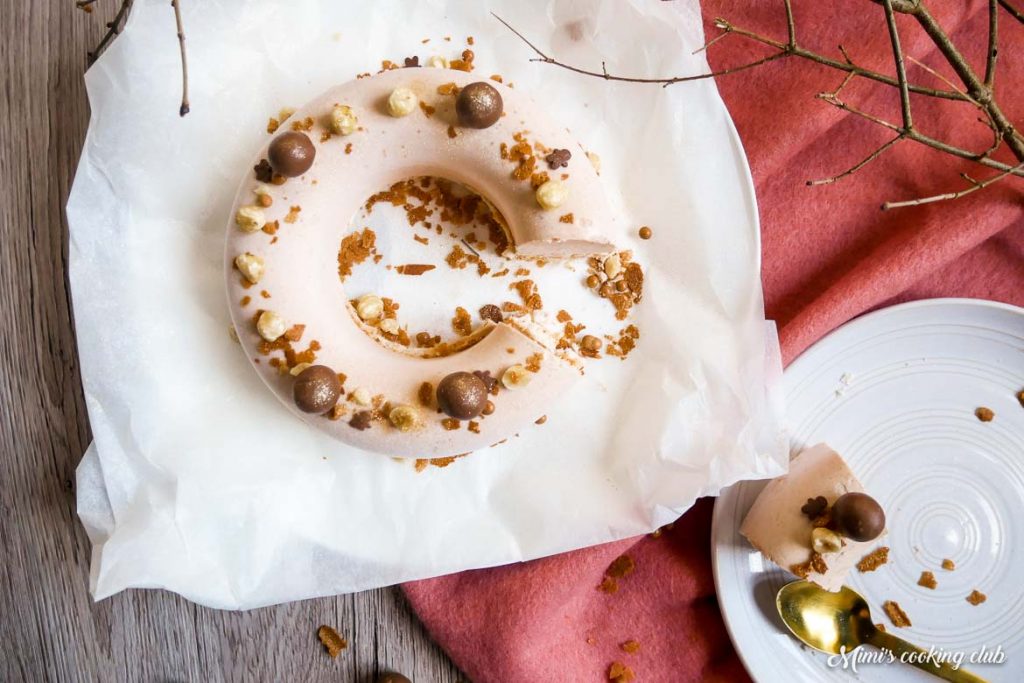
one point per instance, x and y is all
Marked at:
(404, 418)
(316, 389)
(291, 154)
(552, 194)
(825, 541)
(516, 376)
(343, 120)
(250, 218)
(270, 325)
(858, 516)
(250, 266)
(402, 102)
(462, 395)
(478, 105)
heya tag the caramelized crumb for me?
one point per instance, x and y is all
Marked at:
(873, 560)
(927, 580)
(976, 597)
(355, 248)
(462, 322)
(331, 640)
(414, 268)
(630, 647)
(426, 394)
(450, 424)
(620, 673)
(948, 564)
(896, 614)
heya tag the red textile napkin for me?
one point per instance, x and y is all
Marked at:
(830, 254)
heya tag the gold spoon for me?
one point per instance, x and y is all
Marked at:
(841, 621)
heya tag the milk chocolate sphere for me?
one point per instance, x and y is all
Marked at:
(858, 516)
(316, 389)
(478, 105)
(462, 395)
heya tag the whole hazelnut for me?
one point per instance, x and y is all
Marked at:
(402, 102)
(552, 194)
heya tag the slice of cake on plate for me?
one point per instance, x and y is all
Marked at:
(816, 521)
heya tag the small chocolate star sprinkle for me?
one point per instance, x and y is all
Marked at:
(814, 507)
(489, 382)
(264, 172)
(412, 61)
(558, 158)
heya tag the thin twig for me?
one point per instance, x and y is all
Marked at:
(948, 196)
(113, 28)
(185, 108)
(920, 137)
(790, 24)
(988, 117)
(706, 45)
(859, 165)
(1014, 12)
(974, 85)
(901, 69)
(603, 73)
(993, 49)
(727, 28)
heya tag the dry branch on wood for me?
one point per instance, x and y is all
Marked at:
(116, 25)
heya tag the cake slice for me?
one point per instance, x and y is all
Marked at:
(816, 521)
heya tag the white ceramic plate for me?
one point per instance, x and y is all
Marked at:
(895, 392)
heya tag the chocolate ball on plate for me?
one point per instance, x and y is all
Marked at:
(478, 105)
(858, 516)
(393, 678)
(291, 154)
(462, 395)
(316, 389)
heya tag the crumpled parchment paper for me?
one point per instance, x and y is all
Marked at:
(200, 482)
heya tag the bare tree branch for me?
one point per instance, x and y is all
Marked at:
(790, 24)
(860, 164)
(114, 27)
(901, 70)
(1014, 12)
(993, 49)
(948, 196)
(184, 108)
(727, 28)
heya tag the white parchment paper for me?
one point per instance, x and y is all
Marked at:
(200, 482)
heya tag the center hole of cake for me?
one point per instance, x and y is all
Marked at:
(424, 266)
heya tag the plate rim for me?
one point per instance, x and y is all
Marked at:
(728, 493)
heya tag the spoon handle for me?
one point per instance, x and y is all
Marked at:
(900, 647)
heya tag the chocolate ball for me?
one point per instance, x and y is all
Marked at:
(478, 105)
(462, 395)
(316, 389)
(858, 516)
(291, 154)
(393, 678)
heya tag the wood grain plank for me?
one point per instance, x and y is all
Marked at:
(50, 630)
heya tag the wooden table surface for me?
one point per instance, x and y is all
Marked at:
(50, 629)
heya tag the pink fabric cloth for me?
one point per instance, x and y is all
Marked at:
(830, 254)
